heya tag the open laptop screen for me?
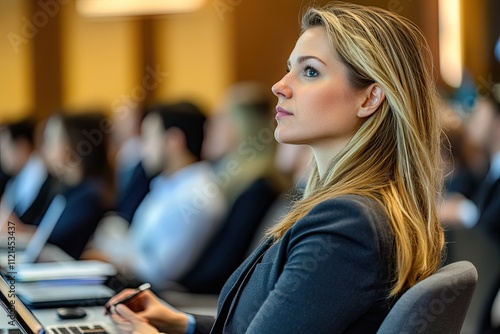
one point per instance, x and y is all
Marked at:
(17, 313)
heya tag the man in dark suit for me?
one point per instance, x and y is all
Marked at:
(474, 225)
(488, 196)
(4, 178)
(483, 211)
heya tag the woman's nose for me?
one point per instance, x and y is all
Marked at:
(282, 89)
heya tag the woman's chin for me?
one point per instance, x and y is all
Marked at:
(283, 138)
(278, 135)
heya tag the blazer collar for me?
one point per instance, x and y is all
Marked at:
(227, 303)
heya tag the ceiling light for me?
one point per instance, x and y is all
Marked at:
(136, 7)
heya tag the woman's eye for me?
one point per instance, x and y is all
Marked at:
(310, 72)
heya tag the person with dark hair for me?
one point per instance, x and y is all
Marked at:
(4, 178)
(29, 191)
(75, 148)
(125, 143)
(482, 210)
(359, 92)
(132, 179)
(183, 209)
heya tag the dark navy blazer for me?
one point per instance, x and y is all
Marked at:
(330, 273)
(489, 207)
(84, 209)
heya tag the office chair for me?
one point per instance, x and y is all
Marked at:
(436, 305)
(483, 251)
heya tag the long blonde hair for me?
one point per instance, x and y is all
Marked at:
(394, 158)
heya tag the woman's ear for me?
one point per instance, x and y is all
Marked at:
(373, 96)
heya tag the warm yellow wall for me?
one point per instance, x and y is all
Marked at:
(15, 67)
(100, 59)
(203, 52)
(102, 64)
(197, 52)
(473, 33)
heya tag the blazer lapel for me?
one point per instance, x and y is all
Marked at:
(227, 301)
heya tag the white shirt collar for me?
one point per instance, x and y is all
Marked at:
(495, 167)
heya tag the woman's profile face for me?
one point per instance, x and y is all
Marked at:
(316, 104)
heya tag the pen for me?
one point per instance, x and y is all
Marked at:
(140, 289)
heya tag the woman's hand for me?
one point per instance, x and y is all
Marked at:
(128, 322)
(149, 309)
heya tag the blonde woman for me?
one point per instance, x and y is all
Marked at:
(360, 93)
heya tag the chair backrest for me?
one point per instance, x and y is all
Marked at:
(436, 305)
(483, 251)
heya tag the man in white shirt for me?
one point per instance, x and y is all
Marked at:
(184, 207)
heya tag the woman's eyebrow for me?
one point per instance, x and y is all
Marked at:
(302, 59)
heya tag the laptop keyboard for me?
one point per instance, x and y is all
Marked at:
(78, 330)
(12, 331)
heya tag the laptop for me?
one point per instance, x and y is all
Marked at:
(19, 315)
(9, 258)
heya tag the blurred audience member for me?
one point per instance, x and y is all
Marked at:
(132, 179)
(126, 144)
(4, 178)
(464, 160)
(240, 140)
(75, 148)
(483, 211)
(294, 162)
(183, 209)
(241, 147)
(29, 191)
(134, 175)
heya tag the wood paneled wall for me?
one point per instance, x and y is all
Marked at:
(71, 61)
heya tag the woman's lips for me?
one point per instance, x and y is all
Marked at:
(281, 112)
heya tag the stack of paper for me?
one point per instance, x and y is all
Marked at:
(71, 283)
(67, 271)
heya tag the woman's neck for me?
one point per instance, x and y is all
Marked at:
(324, 154)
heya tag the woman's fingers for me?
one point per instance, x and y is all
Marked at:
(127, 313)
(136, 301)
(118, 297)
(123, 326)
(130, 323)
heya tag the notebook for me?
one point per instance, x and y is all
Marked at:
(82, 271)
(67, 283)
(19, 315)
(39, 295)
